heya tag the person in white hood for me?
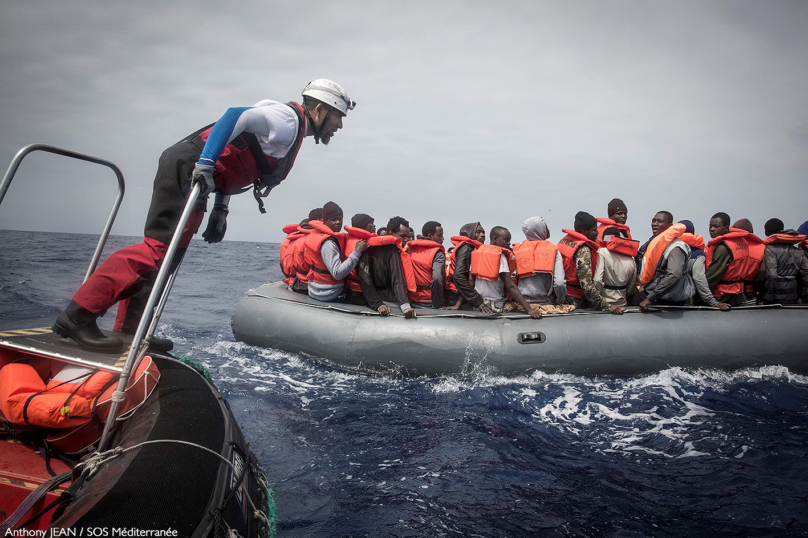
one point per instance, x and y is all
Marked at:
(540, 269)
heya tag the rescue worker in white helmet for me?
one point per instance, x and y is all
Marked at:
(248, 148)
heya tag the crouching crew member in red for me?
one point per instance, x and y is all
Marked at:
(579, 253)
(428, 259)
(460, 292)
(248, 147)
(382, 275)
(726, 259)
(328, 270)
(493, 268)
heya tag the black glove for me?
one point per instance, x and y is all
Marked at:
(217, 224)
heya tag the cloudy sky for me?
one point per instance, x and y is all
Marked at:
(466, 110)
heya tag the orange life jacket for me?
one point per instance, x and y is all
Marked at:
(534, 257)
(312, 257)
(785, 239)
(694, 241)
(567, 247)
(296, 252)
(422, 254)
(286, 257)
(655, 249)
(732, 280)
(621, 245)
(605, 224)
(485, 262)
(457, 241)
(355, 235)
(757, 249)
(70, 398)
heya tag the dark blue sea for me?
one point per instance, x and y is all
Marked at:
(678, 453)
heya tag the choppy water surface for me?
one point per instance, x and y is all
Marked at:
(678, 453)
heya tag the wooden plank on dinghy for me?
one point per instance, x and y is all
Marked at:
(43, 342)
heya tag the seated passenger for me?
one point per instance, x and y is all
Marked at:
(752, 284)
(429, 266)
(362, 228)
(696, 268)
(782, 264)
(615, 269)
(285, 252)
(802, 285)
(493, 267)
(410, 237)
(579, 253)
(659, 224)
(289, 247)
(540, 270)
(323, 254)
(664, 270)
(726, 260)
(381, 273)
(618, 215)
(460, 293)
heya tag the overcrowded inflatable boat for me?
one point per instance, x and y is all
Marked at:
(586, 343)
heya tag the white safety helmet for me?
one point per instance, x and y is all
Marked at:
(330, 93)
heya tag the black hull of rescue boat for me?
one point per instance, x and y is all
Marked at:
(172, 486)
(581, 343)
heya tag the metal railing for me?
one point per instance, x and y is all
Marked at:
(15, 164)
(162, 285)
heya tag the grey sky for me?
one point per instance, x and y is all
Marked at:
(466, 110)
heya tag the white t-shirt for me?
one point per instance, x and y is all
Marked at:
(273, 123)
(494, 291)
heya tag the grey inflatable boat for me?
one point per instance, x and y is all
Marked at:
(582, 343)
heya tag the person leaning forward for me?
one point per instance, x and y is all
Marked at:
(248, 147)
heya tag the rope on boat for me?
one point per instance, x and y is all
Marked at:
(90, 466)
